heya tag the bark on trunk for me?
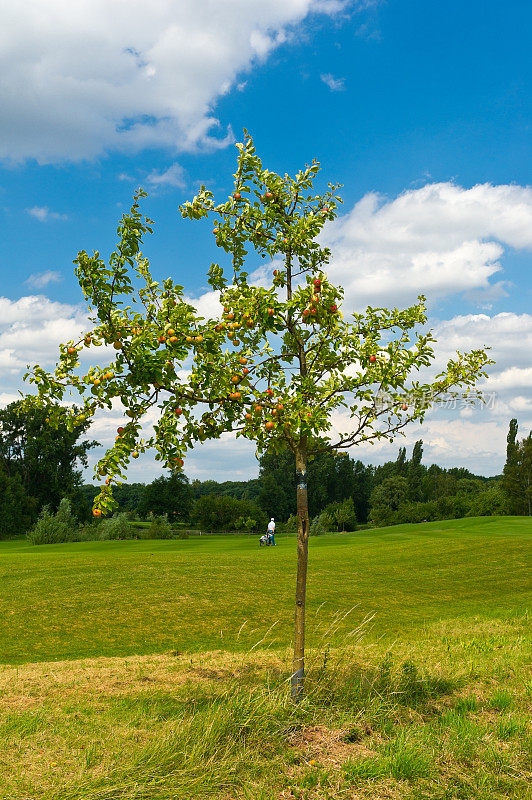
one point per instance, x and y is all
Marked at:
(298, 669)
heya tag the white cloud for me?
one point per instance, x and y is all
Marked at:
(173, 177)
(43, 214)
(38, 280)
(334, 84)
(508, 335)
(439, 240)
(82, 78)
(31, 329)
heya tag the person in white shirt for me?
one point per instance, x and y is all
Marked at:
(271, 531)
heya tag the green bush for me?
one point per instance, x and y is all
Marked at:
(217, 512)
(290, 526)
(55, 528)
(89, 531)
(320, 524)
(117, 527)
(160, 529)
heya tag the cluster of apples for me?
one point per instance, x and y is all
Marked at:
(267, 405)
(99, 379)
(312, 311)
(231, 326)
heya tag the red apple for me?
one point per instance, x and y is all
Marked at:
(120, 430)
(404, 407)
(269, 426)
(237, 196)
(245, 371)
(372, 359)
(178, 412)
(333, 308)
(270, 312)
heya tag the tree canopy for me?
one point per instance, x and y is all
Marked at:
(45, 461)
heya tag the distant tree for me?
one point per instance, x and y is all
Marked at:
(341, 515)
(512, 482)
(242, 490)
(17, 508)
(526, 469)
(488, 502)
(387, 498)
(469, 486)
(128, 496)
(415, 473)
(276, 474)
(401, 463)
(362, 483)
(44, 459)
(168, 495)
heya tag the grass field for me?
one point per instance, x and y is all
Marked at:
(157, 669)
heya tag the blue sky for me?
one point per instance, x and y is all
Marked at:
(421, 110)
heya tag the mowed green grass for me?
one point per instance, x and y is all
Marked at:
(140, 597)
(157, 674)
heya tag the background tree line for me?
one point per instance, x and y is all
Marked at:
(38, 467)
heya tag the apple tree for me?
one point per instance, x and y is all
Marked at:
(279, 365)
(307, 379)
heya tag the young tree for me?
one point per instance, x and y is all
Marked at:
(278, 365)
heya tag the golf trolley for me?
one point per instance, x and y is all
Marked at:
(265, 540)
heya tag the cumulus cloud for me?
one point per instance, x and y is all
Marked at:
(334, 84)
(441, 239)
(31, 329)
(39, 280)
(173, 177)
(82, 78)
(43, 214)
(508, 335)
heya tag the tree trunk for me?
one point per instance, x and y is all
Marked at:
(298, 671)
